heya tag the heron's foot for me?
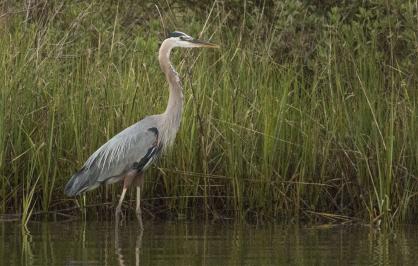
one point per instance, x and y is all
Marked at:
(139, 216)
(119, 216)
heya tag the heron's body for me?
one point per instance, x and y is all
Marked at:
(128, 154)
(117, 156)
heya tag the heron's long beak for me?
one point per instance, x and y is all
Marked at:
(200, 43)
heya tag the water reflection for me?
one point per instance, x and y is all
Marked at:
(98, 243)
(119, 250)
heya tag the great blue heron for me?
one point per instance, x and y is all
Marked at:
(128, 154)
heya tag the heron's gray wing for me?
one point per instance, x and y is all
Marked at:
(122, 152)
(134, 147)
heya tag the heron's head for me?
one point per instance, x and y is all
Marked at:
(181, 39)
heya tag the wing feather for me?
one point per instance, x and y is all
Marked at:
(122, 152)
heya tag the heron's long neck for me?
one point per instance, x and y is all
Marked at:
(175, 101)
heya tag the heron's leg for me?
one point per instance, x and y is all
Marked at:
(126, 183)
(138, 207)
(139, 181)
(119, 207)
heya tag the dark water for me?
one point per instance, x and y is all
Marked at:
(97, 243)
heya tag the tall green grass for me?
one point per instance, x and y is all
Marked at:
(264, 135)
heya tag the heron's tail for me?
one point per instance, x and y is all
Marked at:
(78, 183)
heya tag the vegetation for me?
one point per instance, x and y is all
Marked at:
(308, 112)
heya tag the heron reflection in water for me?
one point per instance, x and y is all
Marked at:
(119, 249)
(127, 155)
